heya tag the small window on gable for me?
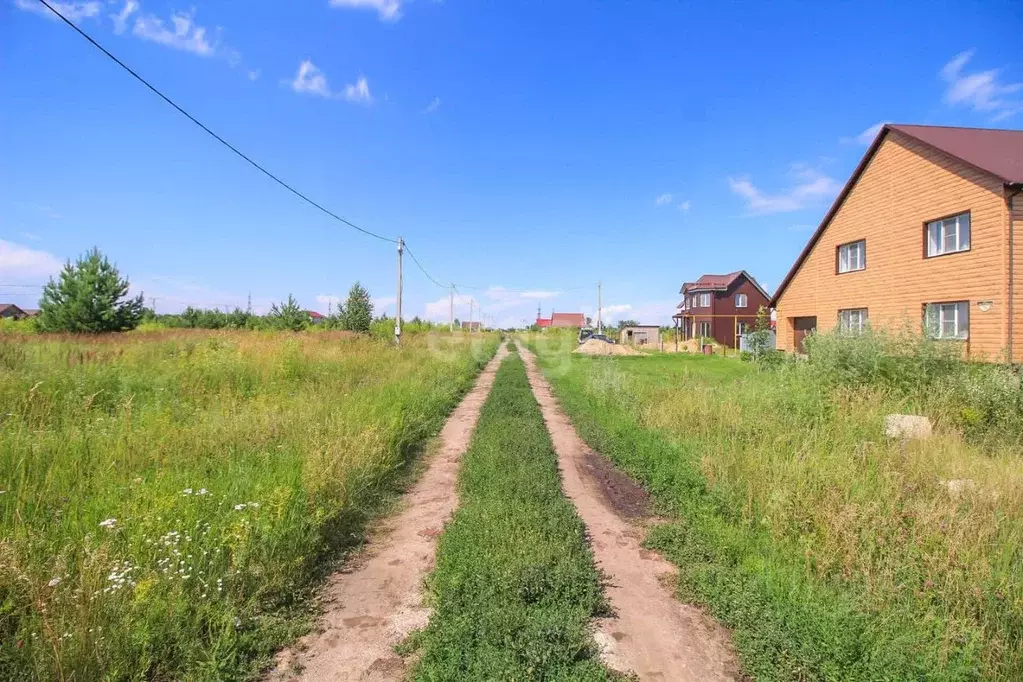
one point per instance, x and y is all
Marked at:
(852, 256)
(948, 235)
(740, 300)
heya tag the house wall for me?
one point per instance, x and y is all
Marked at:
(724, 304)
(650, 335)
(1017, 299)
(903, 186)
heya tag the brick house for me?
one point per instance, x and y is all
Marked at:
(927, 233)
(720, 307)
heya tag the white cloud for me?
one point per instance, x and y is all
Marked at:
(811, 186)
(185, 35)
(387, 10)
(439, 310)
(663, 200)
(329, 300)
(382, 303)
(22, 264)
(121, 18)
(433, 106)
(359, 91)
(982, 91)
(864, 138)
(310, 80)
(253, 75)
(75, 11)
(685, 206)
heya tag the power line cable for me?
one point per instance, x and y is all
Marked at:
(218, 138)
(420, 266)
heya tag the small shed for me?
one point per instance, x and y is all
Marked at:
(640, 335)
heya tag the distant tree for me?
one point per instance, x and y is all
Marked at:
(287, 316)
(627, 323)
(89, 296)
(760, 338)
(357, 312)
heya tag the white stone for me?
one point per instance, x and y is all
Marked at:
(907, 426)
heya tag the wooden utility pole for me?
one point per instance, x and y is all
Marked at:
(451, 309)
(470, 316)
(397, 318)
(600, 325)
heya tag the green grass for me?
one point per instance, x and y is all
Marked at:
(170, 500)
(515, 586)
(831, 552)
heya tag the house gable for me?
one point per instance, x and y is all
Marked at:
(900, 184)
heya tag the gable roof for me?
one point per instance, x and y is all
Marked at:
(998, 153)
(315, 315)
(720, 283)
(568, 320)
(4, 307)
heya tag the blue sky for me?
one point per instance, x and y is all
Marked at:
(527, 146)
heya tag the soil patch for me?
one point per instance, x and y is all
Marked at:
(626, 497)
(598, 347)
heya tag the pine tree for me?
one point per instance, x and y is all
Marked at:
(287, 316)
(89, 296)
(357, 312)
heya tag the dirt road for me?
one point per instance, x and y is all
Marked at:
(652, 635)
(376, 602)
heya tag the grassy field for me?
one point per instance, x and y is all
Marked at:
(515, 586)
(168, 500)
(832, 552)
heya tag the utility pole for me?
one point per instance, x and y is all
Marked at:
(599, 321)
(248, 306)
(470, 316)
(397, 318)
(451, 309)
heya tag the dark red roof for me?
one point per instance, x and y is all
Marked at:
(315, 315)
(996, 152)
(543, 322)
(719, 283)
(568, 320)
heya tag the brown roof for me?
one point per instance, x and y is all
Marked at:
(719, 283)
(568, 320)
(5, 306)
(996, 152)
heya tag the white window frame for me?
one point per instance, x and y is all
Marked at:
(948, 235)
(846, 253)
(744, 301)
(740, 328)
(703, 300)
(852, 320)
(948, 320)
(702, 328)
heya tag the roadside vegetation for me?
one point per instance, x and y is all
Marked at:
(832, 551)
(168, 500)
(515, 586)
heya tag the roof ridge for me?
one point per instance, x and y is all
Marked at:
(922, 125)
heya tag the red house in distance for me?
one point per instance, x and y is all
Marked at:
(720, 307)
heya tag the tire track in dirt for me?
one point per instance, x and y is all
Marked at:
(375, 602)
(652, 634)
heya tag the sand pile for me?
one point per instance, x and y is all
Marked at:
(598, 347)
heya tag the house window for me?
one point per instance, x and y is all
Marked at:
(948, 320)
(705, 329)
(949, 235)
(852, 321)
(740, 328)
(740, 300)
(704, 300)
(852, 257)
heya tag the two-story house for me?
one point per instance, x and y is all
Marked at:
(720, 307)
(927, 234)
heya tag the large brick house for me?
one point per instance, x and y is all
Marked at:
(720, 307)
(927, 234)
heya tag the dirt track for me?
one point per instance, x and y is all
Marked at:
(374, 603)
(652, 635)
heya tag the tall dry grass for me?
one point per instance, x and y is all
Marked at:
(169, 498)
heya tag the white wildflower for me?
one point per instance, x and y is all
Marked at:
(186, 491)
(239, 507)
(54, 582)
(109, 523)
